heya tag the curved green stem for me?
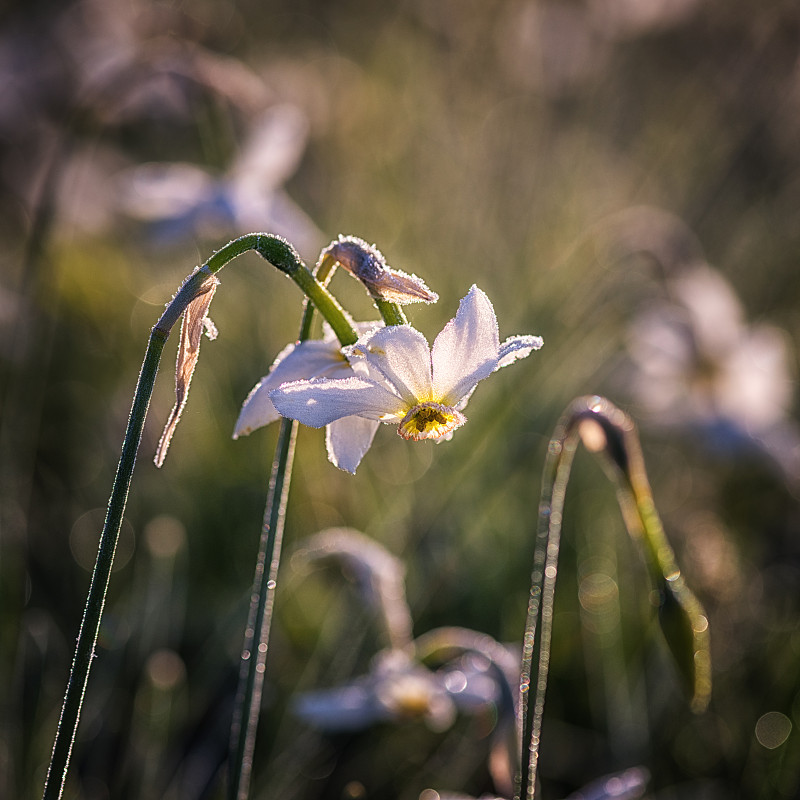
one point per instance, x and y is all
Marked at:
(604, 428)
(283, 256)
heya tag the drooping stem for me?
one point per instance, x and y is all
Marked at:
(262, 599)
(445, 644)
(604, 428)
(283, 256)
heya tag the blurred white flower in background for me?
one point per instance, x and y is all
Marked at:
(396, 689)
(630, 784)
(475, 673)
(73, 80)
(698, 365)
(180, 201)
(431, 679)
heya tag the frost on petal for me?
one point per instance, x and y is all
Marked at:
(517, 347)
(430, 421)
(466, 351)
(347, 441)
(319, 402)
(310, 359)
(192, 327)
(257, 409)
(401, 354)
(399, 287)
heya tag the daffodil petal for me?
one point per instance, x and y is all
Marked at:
(466, 351)
(348, 440)
(402, 355)
(517, 347)
(257, 410)
(319, 402)
(309, 359)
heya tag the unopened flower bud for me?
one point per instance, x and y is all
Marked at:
(367, 263)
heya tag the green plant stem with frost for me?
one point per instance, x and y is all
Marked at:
(391, 312)
(603, 428)
(254, 654)
(281, 255)
(256, 643)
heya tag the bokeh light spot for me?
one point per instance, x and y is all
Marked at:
(166, 669)
(773, 729)
(85, 537)
(164, 536)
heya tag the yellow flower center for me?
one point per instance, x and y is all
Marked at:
(408, 697)
(430, 421)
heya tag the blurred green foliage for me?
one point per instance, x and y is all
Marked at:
(498, 143)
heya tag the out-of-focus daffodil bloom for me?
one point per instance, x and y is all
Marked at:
(700, 366)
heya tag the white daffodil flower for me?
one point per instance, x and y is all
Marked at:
(346, 439)
(400, 379)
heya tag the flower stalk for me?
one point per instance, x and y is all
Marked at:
(256, 642)
(98, 588)
(284, 257)
(254, 653)
(603, 428)
(392, 313)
